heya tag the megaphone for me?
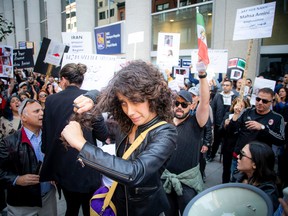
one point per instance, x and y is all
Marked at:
(231, 199)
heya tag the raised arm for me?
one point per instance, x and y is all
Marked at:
(202, 112)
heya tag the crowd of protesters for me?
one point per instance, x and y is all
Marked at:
(243, 133)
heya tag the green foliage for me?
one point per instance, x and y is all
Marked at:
(6, 28)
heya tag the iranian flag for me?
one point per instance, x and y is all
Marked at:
(202, 41)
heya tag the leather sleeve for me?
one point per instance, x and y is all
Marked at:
(207, 139)
(161, 142)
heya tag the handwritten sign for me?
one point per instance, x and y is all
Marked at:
(254, 22)
(23, 58)
(100, 68)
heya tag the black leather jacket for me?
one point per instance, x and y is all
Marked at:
(17, 157)
(140, 190)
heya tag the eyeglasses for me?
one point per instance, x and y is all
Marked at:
(242, 154)
(183, 104)
(265, 101)
(42, 95)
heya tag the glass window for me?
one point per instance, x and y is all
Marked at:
(122, 15)
(102, 15)
(100, 4)
(112, 12)
(279, 32)
(159, 5)
(182, 21)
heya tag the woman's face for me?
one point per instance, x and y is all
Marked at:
(42, 97)
(245, 162)
(138, 112)
(14, 104)
(239, 106)
(282, 93)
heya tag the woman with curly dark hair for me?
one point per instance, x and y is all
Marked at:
(137, 97)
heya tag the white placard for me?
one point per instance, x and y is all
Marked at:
(254, 22)
(261, 83)
(100, 68)
(218, 61)
(78, 42)
(136, 37)
(168, 50)
(54, 53)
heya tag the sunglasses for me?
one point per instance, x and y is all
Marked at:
(265, 101)
(183, 104)
(242, 154)
(42, 95)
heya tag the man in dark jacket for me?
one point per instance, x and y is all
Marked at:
(60, 163)
(20, 160)
(220, 105)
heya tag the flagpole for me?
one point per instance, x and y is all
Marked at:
(48, 73)
(243, 84)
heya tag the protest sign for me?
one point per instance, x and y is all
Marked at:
(23, 58)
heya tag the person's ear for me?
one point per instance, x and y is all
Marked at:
(254, 166)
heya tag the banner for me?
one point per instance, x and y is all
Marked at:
(100, 69)
(79, 42)
(23, 58)
(261, 83)
(6, 61)
(254, 22)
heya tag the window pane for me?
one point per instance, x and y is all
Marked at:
(182, 21)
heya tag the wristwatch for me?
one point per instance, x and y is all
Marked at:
(262, 127)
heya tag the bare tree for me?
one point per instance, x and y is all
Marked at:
(6, 28)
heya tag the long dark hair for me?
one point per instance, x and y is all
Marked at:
(264, 159)
(7, 113)
(138, 81)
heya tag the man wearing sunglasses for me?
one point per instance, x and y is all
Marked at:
(258, 123)
(183, 166)
(20, 163)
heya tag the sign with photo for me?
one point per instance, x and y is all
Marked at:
(6, 61)
(168, 50)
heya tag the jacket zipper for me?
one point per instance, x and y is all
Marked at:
(84, 161)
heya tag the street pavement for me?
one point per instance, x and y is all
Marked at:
(213, 177)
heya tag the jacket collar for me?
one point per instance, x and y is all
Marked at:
(141, 128)
(24, 138)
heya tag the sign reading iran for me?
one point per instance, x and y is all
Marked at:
(254, 22)
(79, 42)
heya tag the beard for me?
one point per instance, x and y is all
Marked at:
(183, 116)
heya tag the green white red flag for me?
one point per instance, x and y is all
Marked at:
(202, 41)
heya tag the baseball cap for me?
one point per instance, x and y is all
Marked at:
(185, 95)
(194, 91)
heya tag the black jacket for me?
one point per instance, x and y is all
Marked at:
(219, 109)
(138, 177)
(60, 164)
(17, 157)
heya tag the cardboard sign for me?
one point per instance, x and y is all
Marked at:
(23, 58)
(40, 65)
(254, 22)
